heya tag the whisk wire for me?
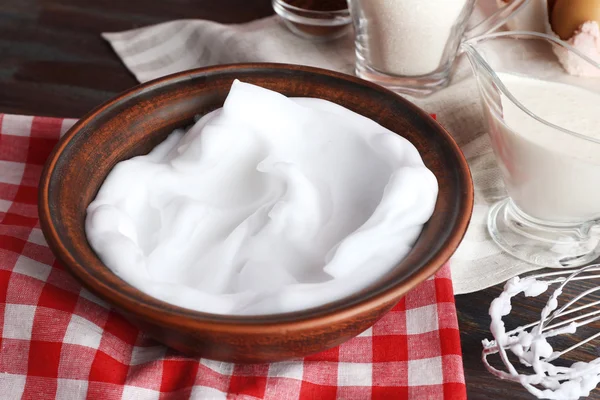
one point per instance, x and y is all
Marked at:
(583, 307)
(528, 343)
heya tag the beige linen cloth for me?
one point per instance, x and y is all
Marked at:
(171, 47)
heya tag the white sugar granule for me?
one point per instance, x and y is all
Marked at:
(408, 37)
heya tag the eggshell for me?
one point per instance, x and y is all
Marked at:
(568, 15)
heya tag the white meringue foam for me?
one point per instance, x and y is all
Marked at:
(265, 206)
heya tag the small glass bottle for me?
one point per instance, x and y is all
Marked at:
(317, 20)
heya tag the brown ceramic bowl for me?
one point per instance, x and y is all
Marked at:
(137, 120)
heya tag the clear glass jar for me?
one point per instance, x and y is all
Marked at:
(410, 45)
(314, 24)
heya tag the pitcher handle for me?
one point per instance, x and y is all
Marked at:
(496, 20)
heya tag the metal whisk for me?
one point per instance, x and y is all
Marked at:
(529, 342)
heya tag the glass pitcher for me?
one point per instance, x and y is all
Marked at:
(544, 126)
(410, 45)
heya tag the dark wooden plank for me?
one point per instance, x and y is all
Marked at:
(54, 62)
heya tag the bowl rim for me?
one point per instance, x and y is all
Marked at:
(183, 318)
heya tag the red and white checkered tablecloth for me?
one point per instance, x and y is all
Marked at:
(60, 341)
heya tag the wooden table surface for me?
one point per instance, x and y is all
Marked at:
(53, 62)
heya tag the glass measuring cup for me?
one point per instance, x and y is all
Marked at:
(547, 147)
(410, 45)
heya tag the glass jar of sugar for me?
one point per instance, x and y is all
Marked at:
(410, 45)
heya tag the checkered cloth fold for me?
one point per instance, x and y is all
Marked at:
(60, 341)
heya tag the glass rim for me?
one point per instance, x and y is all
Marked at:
(470, 46)
(306, 15)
